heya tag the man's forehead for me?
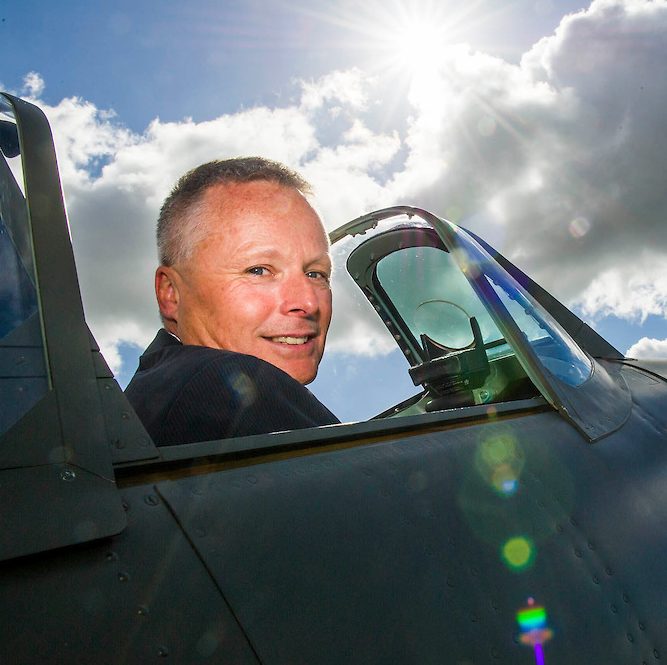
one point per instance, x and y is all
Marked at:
(271, 200)
(249, 194)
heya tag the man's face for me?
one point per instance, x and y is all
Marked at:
(259, 281)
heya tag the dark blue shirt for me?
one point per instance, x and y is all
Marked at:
(184, 393)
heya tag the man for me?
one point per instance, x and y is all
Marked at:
(244, 296)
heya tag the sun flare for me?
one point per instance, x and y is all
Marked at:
(418, 46)
(406, 36)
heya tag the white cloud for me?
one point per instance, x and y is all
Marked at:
(648, 348)
(562, 157)
(634, 290)
(33, 85)
(347, 87)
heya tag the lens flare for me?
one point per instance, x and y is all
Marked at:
(500, 462)
(532, 621)
(518, 553)
(579, 227)
(504, 479)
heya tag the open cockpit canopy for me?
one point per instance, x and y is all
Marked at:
(472, 326)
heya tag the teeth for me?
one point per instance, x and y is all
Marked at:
(290, 340)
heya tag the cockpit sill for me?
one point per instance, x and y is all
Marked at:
(209, 456)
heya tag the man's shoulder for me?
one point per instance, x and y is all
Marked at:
(186, 393)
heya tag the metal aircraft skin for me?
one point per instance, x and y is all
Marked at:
(513, 511)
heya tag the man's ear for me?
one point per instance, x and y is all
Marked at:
(166, 292)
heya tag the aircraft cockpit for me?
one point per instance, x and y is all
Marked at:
(471, 333)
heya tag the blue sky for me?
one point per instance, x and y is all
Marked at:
(538, 127)
(203, 58)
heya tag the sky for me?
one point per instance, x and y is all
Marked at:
(539, 125)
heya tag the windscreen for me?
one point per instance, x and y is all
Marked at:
(434, 298)
(432, 290)
(553, 346)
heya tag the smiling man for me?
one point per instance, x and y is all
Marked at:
(244, 296)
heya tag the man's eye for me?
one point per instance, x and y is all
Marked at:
(317, 274)
(257, 270)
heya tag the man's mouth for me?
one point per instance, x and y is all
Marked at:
(290, 340)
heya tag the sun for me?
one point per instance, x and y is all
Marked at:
(405, 36)
(411, 36)
(418, 45)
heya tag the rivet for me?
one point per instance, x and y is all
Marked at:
(20, 360)
(67, 475)
(151, 500)
(626, 598)
(111, 556)
(119, 443)
(609, 570)
(107, 387)
(614, 609)
(630, 637)
(162, 651)
(142, 610)
(126, 505)
(125, 415)
(559, 528)
(540, 503)
(590, 545)
(642, 626)
(123, 576)
(578, 553)
(144, 442)
(656, 654)
(573, 522)
(596, 579)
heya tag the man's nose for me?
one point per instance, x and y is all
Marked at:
(299, 295)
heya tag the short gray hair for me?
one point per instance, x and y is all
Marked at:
(179, 230)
